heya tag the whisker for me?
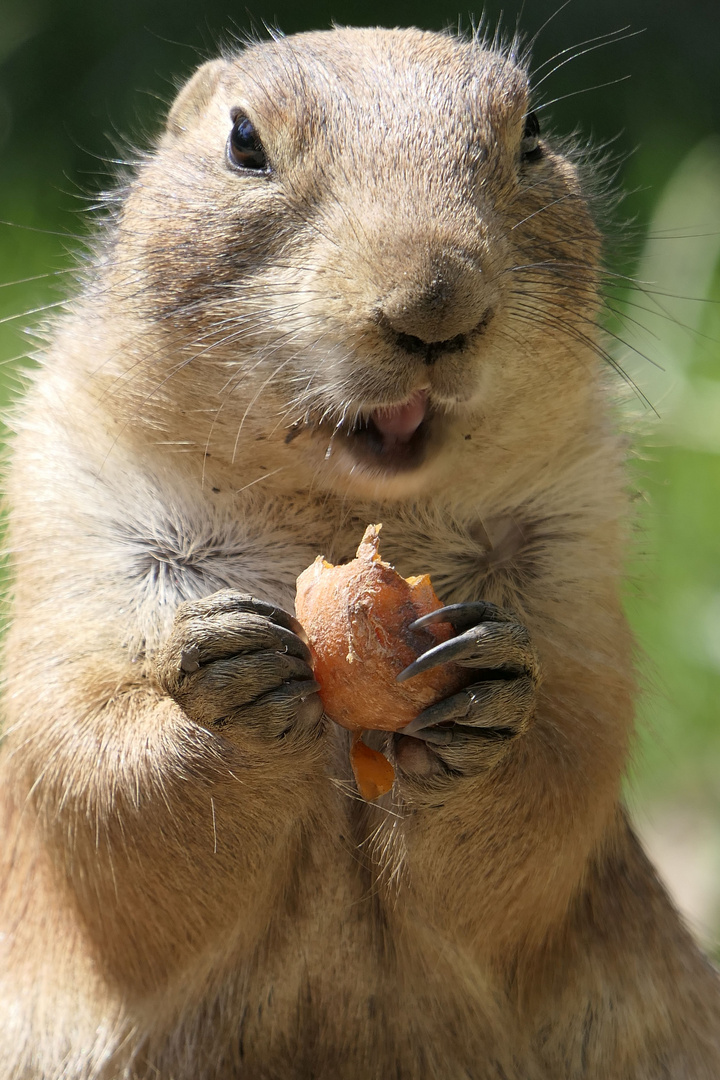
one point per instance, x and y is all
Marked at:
(615, 37)
(38, 277)
(550, 18)
(33, 311)
(582, 90)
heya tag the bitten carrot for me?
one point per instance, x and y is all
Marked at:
(357, 618)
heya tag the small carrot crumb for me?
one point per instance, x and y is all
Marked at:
(374, 775)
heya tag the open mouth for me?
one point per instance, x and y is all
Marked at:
(395, 437)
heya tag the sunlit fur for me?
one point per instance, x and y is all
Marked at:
(183, 903)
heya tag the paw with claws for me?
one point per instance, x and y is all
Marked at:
(470, 729)
(234, 660)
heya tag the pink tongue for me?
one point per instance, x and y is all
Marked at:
(399, 423)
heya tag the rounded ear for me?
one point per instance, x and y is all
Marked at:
(194, 96)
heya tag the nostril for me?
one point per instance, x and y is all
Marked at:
(429, 350)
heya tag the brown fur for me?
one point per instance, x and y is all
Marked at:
(191, 892)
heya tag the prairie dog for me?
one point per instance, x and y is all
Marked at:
(352, 283)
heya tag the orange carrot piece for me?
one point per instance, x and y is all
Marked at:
(374, 775)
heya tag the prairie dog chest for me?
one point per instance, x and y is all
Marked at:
(261, 547)
(159, 536)
(171, 529)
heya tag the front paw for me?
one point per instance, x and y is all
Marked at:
(471, 730)
(233, 660)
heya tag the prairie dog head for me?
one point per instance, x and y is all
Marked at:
(360, 238)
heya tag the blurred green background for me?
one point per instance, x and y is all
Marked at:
(79, 82)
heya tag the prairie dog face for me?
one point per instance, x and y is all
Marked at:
(358, 236)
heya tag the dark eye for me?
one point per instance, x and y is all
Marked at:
(530, 145)
(244, 149)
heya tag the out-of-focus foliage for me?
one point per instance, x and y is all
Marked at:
(676, 604)
(80, 84)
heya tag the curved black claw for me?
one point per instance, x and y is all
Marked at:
(463, 616)
(502, 646)
(498, 707)
(439, 654)
(453, 709)
(469, 728)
